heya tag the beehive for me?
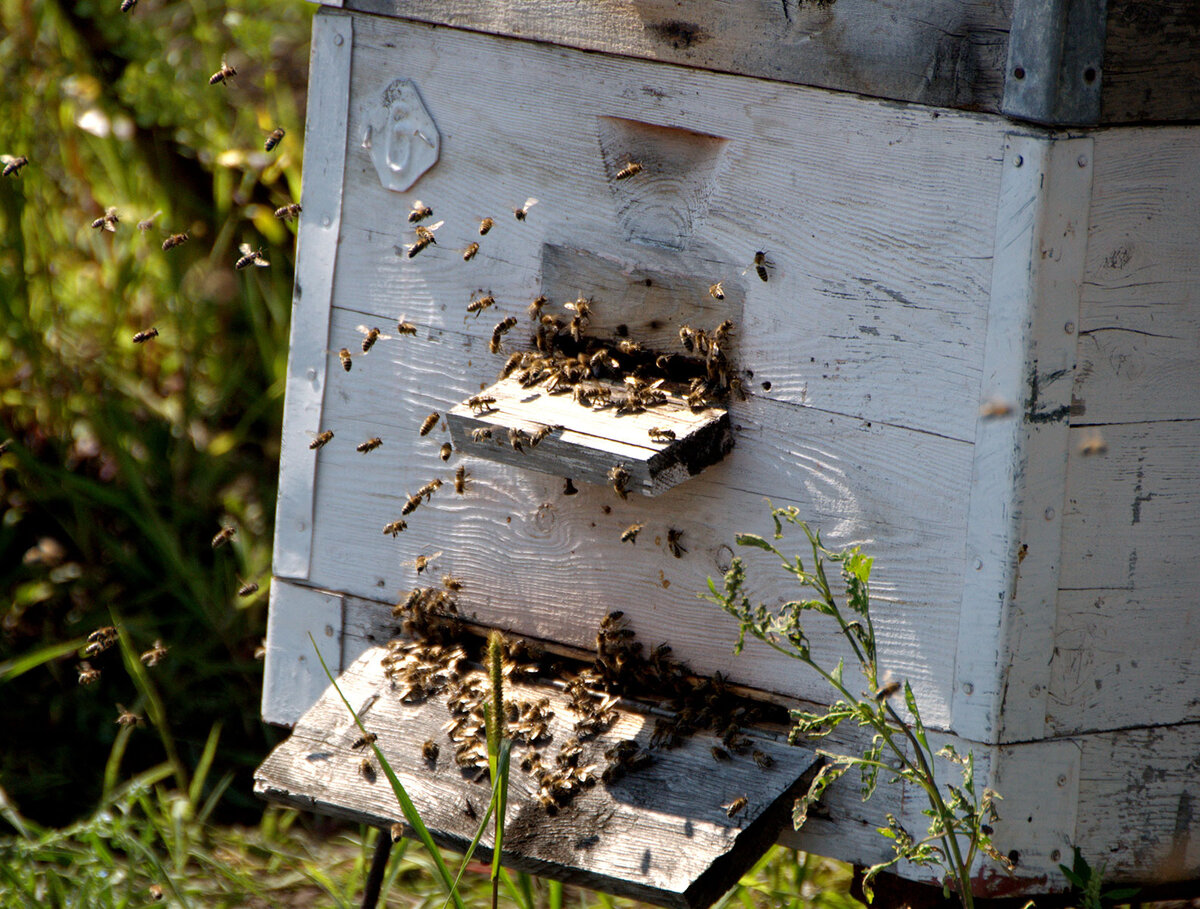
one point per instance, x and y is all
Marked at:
(974, 354)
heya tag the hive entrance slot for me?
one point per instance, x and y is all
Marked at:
(657, 448)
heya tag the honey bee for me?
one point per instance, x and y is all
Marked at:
(717, 291)
(394, 527)
(225, 73)
(288, 212)
(248, 589)
(1093, 444)
(369, 445)
(995, 407)
(174, 240)
(146, 223)
(127, 5)
(535, 308)
(367, 738)
(260, 652)
(429, 489)
(250, 257)
(522, 212)
(87, 675)
(127, 717)
(569, 487)
(498, 332)
(451, 583)
(469, 251)
(100, 640)
(760, 264)
(631, 532)
(763, 760)
(673, 538)
(485, 225)
(143, 336)
(460, 479)
(425, 237)
(223, 536)
(274, 138)
(723, 331)
(481, 404)
(108, 221)
(367, 768)
(517, 438)
(720, 754)
(687, 337)
(429, 423)
(887, 691)
(658, 434)
(405, 327)
(633, 168)
(541, 433)
(420, 211)
(13, 165)
(447, 450)
(736, 806)
(479, 435)
(320, 439)
(619, 476)
(154, 655)
(479, 305)
(347, 358)
(156, 892)
(370, 336)
(430, 750)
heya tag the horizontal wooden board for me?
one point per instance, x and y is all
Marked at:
(519, 543)
(1139, 325)
(1151, 62)
(877, 220)
(652, 835)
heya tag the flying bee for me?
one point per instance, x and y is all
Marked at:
(154, 655)
(156, 892)
(100, 640)
(736, 806)
(429, 751)
(429, 489)
(13, 165)
(887, 691)
(223, 536)
(522, 212)
(535, 308)
(717, 291)
(629, 348)
(127, 5)
(658, 434)
(479, 305)
(143, 336)
(469, 251)
(405, 327)
(723, 331)
(420, 211)
(501, 328)
(319, 439)
(288, 212)
(517, 438)
(760, 264)
(248, 589)
(687, 337)
(411, 505)
(569, 487)
(5, 445)
(274, 138)
(479, 435)
(425, 237)
(87, 675)
(395, 527)
(481, 403)
(460, 479)
(225, 73)
(174, 240)
(485, 225)
(995, 407)
(146, 223)
(107, 221)
(1093, 444)
(541, 433)
(250, 257)
(447, 450)
(370, 336)
(673, 544)
(127, 717)
(451, 583)
(346, 357)
(369, 445)
(632, 169)
(367, 738)
(619, 476)
(631, 532)
(429, 423)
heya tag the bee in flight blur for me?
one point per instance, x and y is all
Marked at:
(146, 223)
(737, 805)
(107, 221)
(154, 655)
(87, 675)
(633, 168)
(224, 74)
(477, 306)
(288, 212)
(395, 527)
(250, 257)
(369, 445)
(248, 588)
(631, 533)
(275, 137)
(523, 212)
(371, 335)
(127, 717)
(429, 422)
(469, 252)
(223, 536)
(143, 336)
(424, 238)
(13, 164)
(127, 5)
(717, 291)
(485, 224)
(404, 327)
(460, 480)
(760, 265)
(172, 241)
(420, 211)
(319, 439)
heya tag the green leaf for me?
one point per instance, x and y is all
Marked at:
(10, 669)
(753, 539)
(836, 675)
(1120, 894)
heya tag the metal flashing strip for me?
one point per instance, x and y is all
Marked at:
(316, 253)
(1055, 61)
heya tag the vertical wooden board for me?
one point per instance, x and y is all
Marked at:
(519, 543)
(878, 220)
(293, 678)
(1139, 327)
(1151, 62)
(932, 52)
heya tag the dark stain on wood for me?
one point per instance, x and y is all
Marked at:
(678, 34)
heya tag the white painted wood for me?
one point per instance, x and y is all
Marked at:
(1039, 785)
(1139, 328)
(878, 219)
(1017, 487)
(293, 678)
(324, 159)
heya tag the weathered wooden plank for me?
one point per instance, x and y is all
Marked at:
(884, 259)
(292, 677)
(1139, 327)
(1151, 62)
(653, 834)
